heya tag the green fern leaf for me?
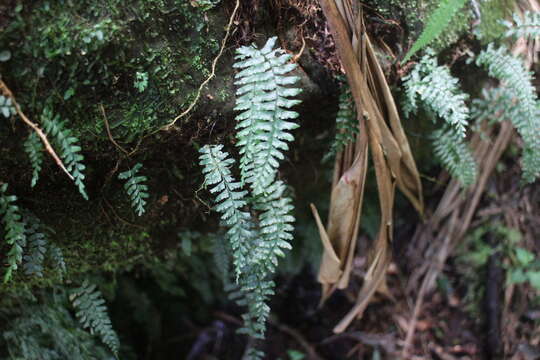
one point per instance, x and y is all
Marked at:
(136, 188)
(70, 151)
(527, 26)
(36, 246)
(346, 124)
(519, 82)
(6, 107)
(453, 152)
(438, 21)
(264, 97)
(56, 256)
(34, 148)
(92, 314)
(15, 234)
(229, 202)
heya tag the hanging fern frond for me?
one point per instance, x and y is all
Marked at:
(56, 256)
(136, 188)
(230, 201)
(453, 152)
(15, 234)
(92, 314)
(68, 144)
(346, 124)
(265, 100)
(513, 75)
(527, 26)
(439, 92)
(36, 246)
(34, 149)
(275, 222)
(437, 22)
(500, 104)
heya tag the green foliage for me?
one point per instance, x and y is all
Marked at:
(57, 258)
(518, 81)
(36, 246)
(453, 152)
(70, 151)
(264, 99)
(230, 201)
(48, 332)
(346, 124)
(141, 81)
(527, 26)
(259, 221)
(6, 107)
(438, 21)
(136, 188)
(34, 149)
(92, 314)
(439, 92)
(14, 229)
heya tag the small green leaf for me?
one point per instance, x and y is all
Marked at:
(516, 276)
(524, 256)
(69, 93)
(534, 278)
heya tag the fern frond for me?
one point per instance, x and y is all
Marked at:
(68, 144)
(437, 22)
(527, 26)
(439, 91)
(136, 188)
(36, 246)
(346, 124)
(229, 202)
(92, 314)
(275, 222)
(257, 289)
(500, 104)
(455, 155)
(34, 149)
(265, 100)
(15, 235)
(56, 256)
(519, 82)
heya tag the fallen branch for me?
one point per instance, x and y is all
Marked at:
(6, 92)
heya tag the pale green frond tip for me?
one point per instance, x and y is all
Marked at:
(136, 188)
(437, 22)
(527, 26)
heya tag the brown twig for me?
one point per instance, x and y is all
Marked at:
(109, 131)
(212, 73)
(312, 354)
(6, 92)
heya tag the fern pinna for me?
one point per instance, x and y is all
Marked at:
(34, 148)
(264, 97)
(92, 314)
(437, 22)
(439, 92)
(15, 234)
(259, 221)
(70, 151)
(136, 188)
(526, 26)
(519, 82)
(346, 124)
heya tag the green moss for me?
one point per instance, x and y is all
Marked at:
(492, 11)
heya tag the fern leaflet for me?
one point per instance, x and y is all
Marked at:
(92, 314)
(136, 188)
(15, 235)
(527, 27)
(56, 256)
(438, 21)
(34, 148)
(264, 99)
(68, 144)
(519, 82)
